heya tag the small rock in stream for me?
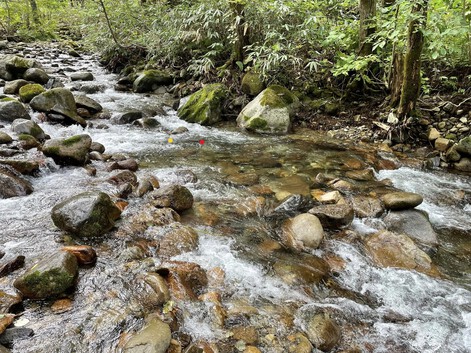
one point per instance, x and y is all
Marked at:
(12, 265)
(13, 334)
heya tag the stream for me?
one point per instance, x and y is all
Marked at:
(379, 309)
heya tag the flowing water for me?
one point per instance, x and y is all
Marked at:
(383, 310)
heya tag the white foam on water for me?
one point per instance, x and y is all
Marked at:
(438, 190)
(439, 309)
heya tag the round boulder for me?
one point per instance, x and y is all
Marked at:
(82, 76)
(28, 92)
(401, 200)
(36, 75)
(49, 277)
(176, 197)
(12, 183)
(154, 337)
(13, 87)
(11, 109)
(28, 127)
(70, 151)
(89, 214)
(323, 332)
(302, 232)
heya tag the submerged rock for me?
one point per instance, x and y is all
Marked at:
(49, 277)
(89, 214)
(323, 332)
(177, 239)
(302, 232)
(154, 337)
(333, 216)
(69, 151)
(270, 112)
(389, 249)
(204, 107)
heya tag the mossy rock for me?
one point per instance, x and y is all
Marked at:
(270, 112)
(150, 80)
(87, 215)
(252, 84)
(13, 87)
(30, 91)
(464, 146)
(205, 106)
(5, 138)
(70, 151)
(332, 108)
(18, 65)
(29, 127)
(11, 109)
(49, 277)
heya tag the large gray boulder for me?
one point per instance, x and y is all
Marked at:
(49, 277)
(18, 65)
(36, 75)
(154, 337)
(82, 101)
(302, 232)
(29, 127)
(60, 101)
(204, 107)
(69, 151)
(11, 109)
(126, 117)
(89, 214)
(414, 223)
(270, 112)
(150, 80)
(12, 183)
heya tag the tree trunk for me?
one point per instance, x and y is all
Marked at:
(34, 11)
(411, 84)
(396, 78)
(242, 38)
(367, 26)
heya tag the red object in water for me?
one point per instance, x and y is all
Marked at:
(201, 142)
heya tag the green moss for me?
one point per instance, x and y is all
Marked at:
(258, 123)
(48, 283)
(277, 97)
(7, 99)
(37, 132)
(72, 140)
(25, 137)
(30, 91)
(53, 150)
(252, 84)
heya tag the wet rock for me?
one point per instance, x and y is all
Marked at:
(154, 337)
(204, 107)
(61, 306)
(252, 84)
(127, 164)
(13, 334)
(361, 175)
(452, 155)
(82, 101)
(123, 177)
(333, 216)
(13, 87)
(98, 147)
(414, 223)
(81, 76)
(299, 344)
(174, 196)
(28, 142)
(186, 176)
(327, 197)
(28, 127)
(148, 216)
(126, 118)
(8, 300)
(59, 101)
(36, 75)
(151, 291)
(366, 206)
(464, 146)
(10, 265)
(463, 165)
(18, 65)
(305, 270)
(323, 332)
(69, 151)
(49, 277)
(150, 80)
(293, 204)
(179, 130)
(251, 206)
(11, 109)
(28, 92)
(12, 184)
(442, 144)
(5, 321)
(89, 214)
(389, 249)
(401, 200)
(84, 254)
(5, 138)
(270, 112)
(246, 179)
(302, 232)
(177, 239)
(248, 334)
(290, 185)
(186, 280)
(92, 88)
(145, 186)
(22, 166)
(146, 123)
